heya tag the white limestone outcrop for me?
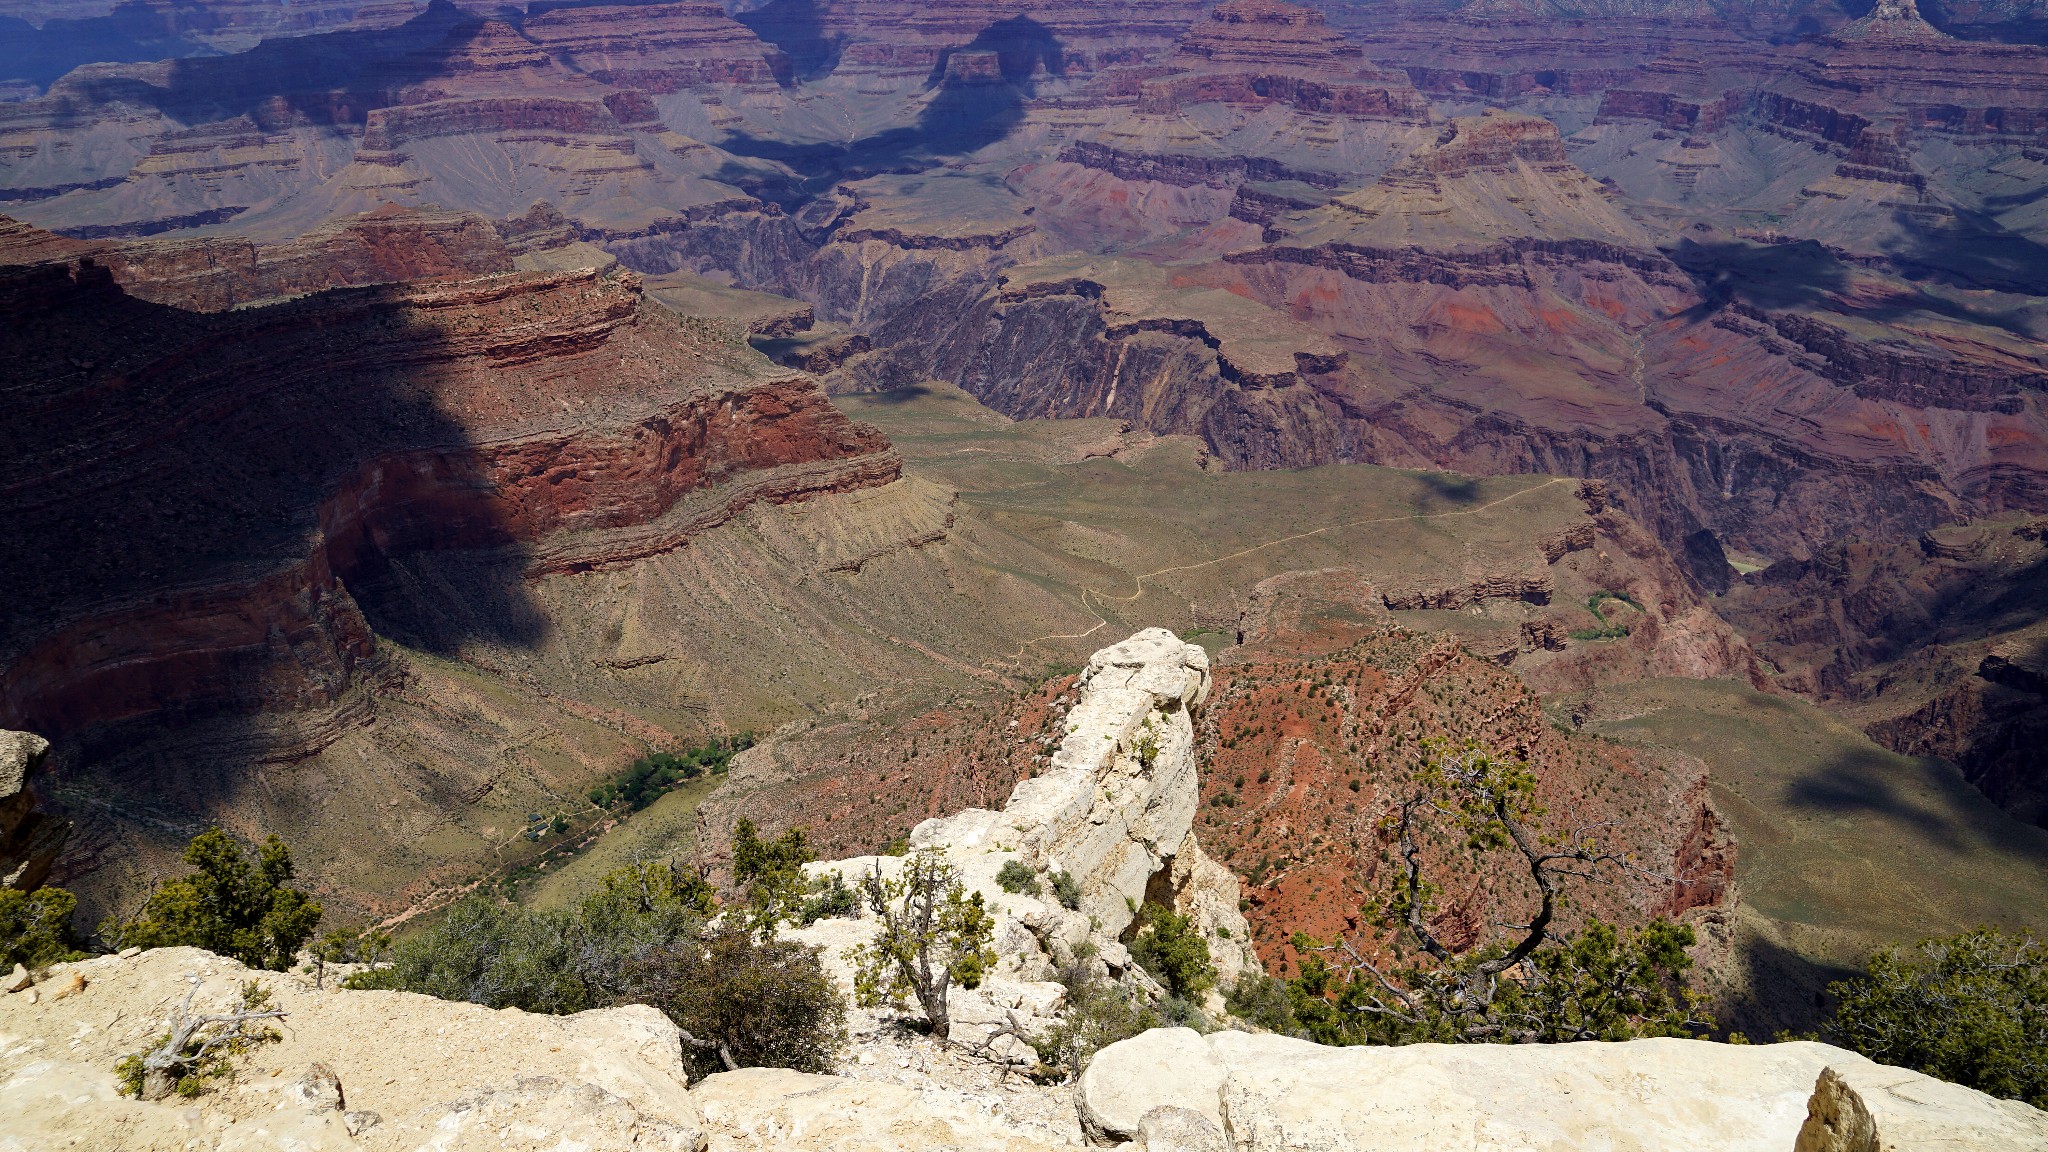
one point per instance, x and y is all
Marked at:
(1115, 810)
(412, 1071)
(1269, 1093)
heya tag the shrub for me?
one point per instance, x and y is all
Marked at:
(1171, 948)
(35, 927)
(829, 897)
(934, 934)
(199, 1048)
(743, 1002)
(1017, 876)
(769, 872)
(1971, 1008)
(1097, 1013)
(227, 906)
(1263, 1002)
(554, 961)
(1067, 890)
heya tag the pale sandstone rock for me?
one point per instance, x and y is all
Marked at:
(29, 840)
(1166, 1067)
(1660, 1095)
(19, 754)
(1171, 1129)
(758, 1109)
(436, 1074)
(1860, 1106)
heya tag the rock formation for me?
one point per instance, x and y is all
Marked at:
(1269, 1092)
(390, 1070)
(1114, 809)
(225, 502)
(29, 839)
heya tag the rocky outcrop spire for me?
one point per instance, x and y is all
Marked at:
(1892, 20)
(1114, 810)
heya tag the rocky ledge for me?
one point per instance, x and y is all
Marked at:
(392, 1070)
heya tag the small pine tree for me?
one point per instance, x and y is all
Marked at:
(769, 872)
(1171, 948)
(227, 906)
(934, 934)
(35, 927)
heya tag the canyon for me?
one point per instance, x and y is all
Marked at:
(384, 1069)
(418, 411)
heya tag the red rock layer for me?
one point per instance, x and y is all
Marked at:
(1305, 754)
(1268, 34)
(213, 494)
(388, 246)
(1301, 749)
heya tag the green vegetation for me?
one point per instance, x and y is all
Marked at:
(227, 907)
(934, 934)
(1017, 876)
(644, 938)
(829, 897)
(748, 1002)
(1605, 628)
(1098, 1013)
(1263, 1002)
(1170, 946)
(197, 1049)
(1971, 1008)
(553, 960)
(35, 928)
(644, 780)
(1066, 890)
(770, 872)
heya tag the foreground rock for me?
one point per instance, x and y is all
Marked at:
(405, 1070)
(1271, 1092)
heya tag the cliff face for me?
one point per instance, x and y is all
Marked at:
(225, 505)
(1114, 810)
(1934, 647)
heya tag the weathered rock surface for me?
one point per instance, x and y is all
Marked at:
(29, 840)
(414, 1071)
(1271, 1092)
(1860, 1106)
(1115, 810)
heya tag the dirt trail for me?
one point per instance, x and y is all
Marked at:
(1138, 582)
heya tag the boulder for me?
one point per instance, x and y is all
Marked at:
(29, 839)
(1166, 1067)
(416, 1071)
(1860, 1106)
(1658, 1095)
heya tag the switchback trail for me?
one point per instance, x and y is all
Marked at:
(1138, 582)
